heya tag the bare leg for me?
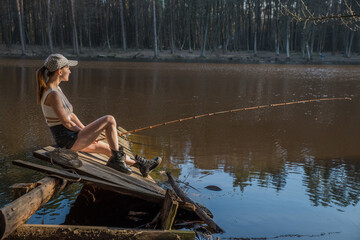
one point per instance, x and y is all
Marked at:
(88, 134)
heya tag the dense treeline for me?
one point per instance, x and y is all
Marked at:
(215, 25)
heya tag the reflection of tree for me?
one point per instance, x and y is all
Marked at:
(327, 182)
(271, 174)
(331, 182)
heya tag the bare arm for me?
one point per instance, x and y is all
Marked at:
(76, 120)
(54, 100)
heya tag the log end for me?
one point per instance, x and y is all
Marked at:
(2, 225)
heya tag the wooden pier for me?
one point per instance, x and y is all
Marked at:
(103, 183)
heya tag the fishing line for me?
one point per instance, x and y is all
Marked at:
(230, 111)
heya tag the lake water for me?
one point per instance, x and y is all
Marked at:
(290, 172)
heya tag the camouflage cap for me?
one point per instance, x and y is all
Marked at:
(57, 61)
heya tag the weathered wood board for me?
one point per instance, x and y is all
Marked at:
(45, 232)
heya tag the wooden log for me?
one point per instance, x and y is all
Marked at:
(67, 232)
(19, 189)
(169, 210)
(19, 211)
(199, 211)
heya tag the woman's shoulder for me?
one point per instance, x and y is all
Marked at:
(52, 96)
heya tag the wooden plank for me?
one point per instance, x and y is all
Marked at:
(102, 159)
(124, 188)
(45, 232)
(102, 172)
(20, 210)
(169, 210)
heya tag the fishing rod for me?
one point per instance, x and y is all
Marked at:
(230, 111)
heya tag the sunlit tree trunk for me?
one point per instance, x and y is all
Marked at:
(288, 37)
(333, 28)
(107, 9)
(136, 24)
(21, 28)
(248, 26)
(277, 30)
(189, 24)
(122, 25)
(349, 41)
(154, 28)
(172, 40)
(205, 30)
(60, 24)
(75, 37)
(227, 29)
(160, 27)
(257, 16)
(312, 41)
(49, 24)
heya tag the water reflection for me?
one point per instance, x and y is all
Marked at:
(271, 163)
(332, 182)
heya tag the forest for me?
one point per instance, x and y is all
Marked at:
(304, 26)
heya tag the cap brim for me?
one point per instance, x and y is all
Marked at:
(72, 63)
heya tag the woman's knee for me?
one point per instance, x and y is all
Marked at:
(110, 119)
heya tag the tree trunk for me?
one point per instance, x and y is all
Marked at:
(75, 37)
(227, 29)
(277, 31)
(308, 51)
(22, 37)
(257, 13)
(136, 24)
(160, 28)
(312, 41)
(288, 37)
(49, 27)
(89, 31)
(155, 32)
(61, 25)
(107, 6)
(172, 27)
(189, 24)
(349, 41)
(203, 44)
(122, 25)
(248, 23)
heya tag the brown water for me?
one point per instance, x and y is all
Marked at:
(286, 172)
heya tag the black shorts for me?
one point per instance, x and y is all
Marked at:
(63, 137)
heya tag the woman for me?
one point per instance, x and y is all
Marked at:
(66, 128)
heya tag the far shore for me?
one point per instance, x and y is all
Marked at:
(147, 55)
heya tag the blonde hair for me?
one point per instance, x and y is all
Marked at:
(41, 82)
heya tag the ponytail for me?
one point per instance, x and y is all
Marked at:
(40, 83)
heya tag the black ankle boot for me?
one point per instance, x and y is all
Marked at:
(146, 166)
(117, 161)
